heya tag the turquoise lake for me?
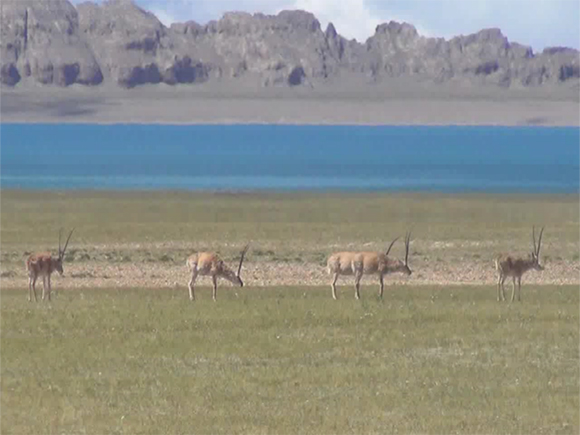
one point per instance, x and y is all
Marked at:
(284, 157)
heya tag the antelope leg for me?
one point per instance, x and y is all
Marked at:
(357, 279)
(190, 285)
(333, 285)
(214, 280)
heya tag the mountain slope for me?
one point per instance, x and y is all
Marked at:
(51, 42)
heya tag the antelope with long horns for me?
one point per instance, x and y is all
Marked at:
(361, 263)
(44, 264)
(209, 263)
(507, 265)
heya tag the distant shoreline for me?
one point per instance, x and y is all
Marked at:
(163, 105)
(289, 194)
(313, 124)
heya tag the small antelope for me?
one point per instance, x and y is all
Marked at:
(360, 263)
(43, 264)
(506, 265)
(209, 263)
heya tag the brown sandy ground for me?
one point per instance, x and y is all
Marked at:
(132, 265)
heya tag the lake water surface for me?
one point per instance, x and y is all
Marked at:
(277, 157)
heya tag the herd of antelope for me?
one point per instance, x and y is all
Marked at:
(43, 264)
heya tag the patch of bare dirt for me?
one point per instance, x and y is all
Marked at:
(273, 273)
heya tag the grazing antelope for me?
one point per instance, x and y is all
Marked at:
(209, 263)
(44, 264)
(360, 263)
(506, 265)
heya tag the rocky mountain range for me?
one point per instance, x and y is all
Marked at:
(53, 42)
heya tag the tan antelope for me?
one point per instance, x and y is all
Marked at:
(209, 263)
(507, 265)
(44, 264)
(360, 263)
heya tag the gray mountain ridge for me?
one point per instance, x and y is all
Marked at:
(53, 43)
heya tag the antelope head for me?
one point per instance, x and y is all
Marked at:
(237, 279)
(535, 255)
(61, 252)
(398, 265)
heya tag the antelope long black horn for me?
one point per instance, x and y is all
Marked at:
(243, 254)
(67, 240)
(391, 245)
(539, 242)
(534, 239)
(59, 247)
(407, 243)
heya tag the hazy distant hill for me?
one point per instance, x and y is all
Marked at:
(52, 42)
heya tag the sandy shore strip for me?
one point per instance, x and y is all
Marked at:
(267, 274)
(163, 105)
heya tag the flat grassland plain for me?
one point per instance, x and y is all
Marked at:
(121, 349)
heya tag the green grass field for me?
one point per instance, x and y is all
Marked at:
(285, 224)
(286, 360)
(289, 360)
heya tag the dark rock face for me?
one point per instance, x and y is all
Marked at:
(9, 74)
(53, 43)
(185, 70)
(297, 76)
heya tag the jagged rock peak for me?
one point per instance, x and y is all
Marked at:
(394, 27)
(118, 10)
(563, 50)
(330, 31)
(238, 16)
(490, 34)
(52, 42)
(300, 19)
(188, 28)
